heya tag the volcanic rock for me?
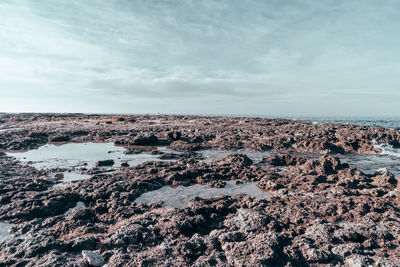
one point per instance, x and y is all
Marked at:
(319, 210)
(92, 258)
(104, 163)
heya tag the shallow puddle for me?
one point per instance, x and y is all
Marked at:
(78, 205)
(210, 155)
(370, 164)
(4, 234)
(80, 155)
(77, 156)
(179, 197)
(73, 157)
(73, 176)
(388, 159)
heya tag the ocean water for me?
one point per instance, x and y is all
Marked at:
(385, 122)
(390, 122)
(388, 159)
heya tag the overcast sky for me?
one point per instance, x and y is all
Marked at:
(241, 57)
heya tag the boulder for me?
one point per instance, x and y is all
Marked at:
(92, 258)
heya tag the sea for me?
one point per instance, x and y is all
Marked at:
(389, 122)
(388, 159)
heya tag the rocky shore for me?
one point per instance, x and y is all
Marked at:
(319, 212)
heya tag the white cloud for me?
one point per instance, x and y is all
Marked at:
(198, 56)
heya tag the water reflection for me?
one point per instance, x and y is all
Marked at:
(209, 155)
(75, 155)
(369, 164)
(77, 206)
(73, 158)
(179, 197)
(4, 234)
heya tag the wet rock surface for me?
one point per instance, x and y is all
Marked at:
(107, 162)
(320, 211)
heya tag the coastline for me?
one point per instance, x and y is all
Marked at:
(321, 211)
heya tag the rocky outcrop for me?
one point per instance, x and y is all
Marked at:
(29, 131)
(321, 212)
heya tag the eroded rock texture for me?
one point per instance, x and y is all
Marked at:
(321, 211)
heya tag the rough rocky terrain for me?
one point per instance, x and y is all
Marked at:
(321, 211)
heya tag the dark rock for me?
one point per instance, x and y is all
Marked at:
(60, 138)
(105, 163)
(133, 151)
(150, 140)
(238, 160)
(174, 136)
(319, 211)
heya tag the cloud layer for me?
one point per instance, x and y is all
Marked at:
(251, 57)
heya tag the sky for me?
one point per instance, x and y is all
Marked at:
(228, 57)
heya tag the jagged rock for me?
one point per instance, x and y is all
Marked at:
(92, 258)
(246, 220)
(237, 160)
(319, 211)
(284, 160)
